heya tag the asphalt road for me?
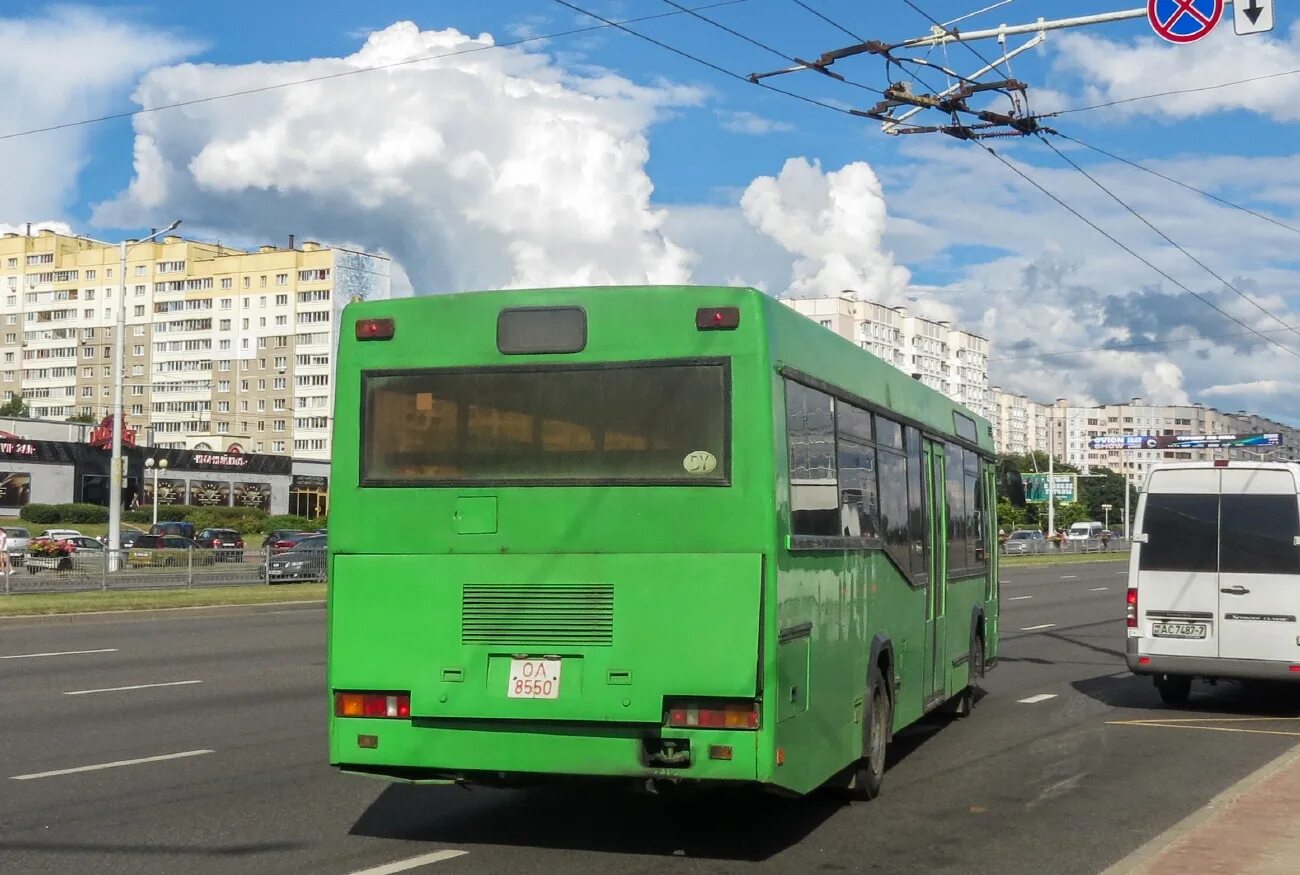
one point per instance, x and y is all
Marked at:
(1050, 775)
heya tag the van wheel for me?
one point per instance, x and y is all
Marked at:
(1174, 689)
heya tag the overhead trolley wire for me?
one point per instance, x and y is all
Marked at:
(1113, 239)
(261, 89)
(1172, 93)
(1178, 182)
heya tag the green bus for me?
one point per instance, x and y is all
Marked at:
(667, 534)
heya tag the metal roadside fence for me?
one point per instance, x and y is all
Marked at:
(1045, 547)
(156, 569)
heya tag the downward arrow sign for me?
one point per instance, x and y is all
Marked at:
(1254, 11)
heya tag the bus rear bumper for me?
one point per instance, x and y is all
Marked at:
(419, 751)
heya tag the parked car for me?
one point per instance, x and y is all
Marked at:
(281, 540)
(180, 529)
(129, 534)
(167, 551)
(228, 543)
(60, 534)
(84, 544)
(16, 544)
(1024, 541)
(306, 561)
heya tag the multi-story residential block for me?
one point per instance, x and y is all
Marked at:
(224, 348)
(953, 361)
(1020, 425)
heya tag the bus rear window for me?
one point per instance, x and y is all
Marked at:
(657, 422)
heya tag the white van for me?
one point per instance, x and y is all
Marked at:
(1084, 532)
(1214, 577)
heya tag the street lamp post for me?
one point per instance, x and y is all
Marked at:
(158, 467)
(1105, 508)
(119, 375)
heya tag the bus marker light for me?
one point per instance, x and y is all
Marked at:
(719, 751)
(1220, 463)
(372, 705)
(370, 742)
(375, 329)
(717, 318)
(1131, 609)
(780, 756)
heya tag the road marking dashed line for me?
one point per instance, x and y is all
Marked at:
(59, 653)
(1099, 589)
(1069, 577)
(132, 687)
(1019, 598)
(98, 766)
(414, 862)
(1034, 700)
(1036, 628)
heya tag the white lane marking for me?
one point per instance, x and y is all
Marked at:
(133, 687)
(59, 653)
(413, 863)
(1019, 598)
(98, 766)
(1069, 577)
(1034, 700)
(1121, 573)
(1099, 589)
(1036, 628)
(1123, 674)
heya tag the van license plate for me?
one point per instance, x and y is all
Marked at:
(534, 679)
(1179, 630)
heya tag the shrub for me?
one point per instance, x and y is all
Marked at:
(138, 516)
(40, 513)
(48, 547)
(82, 513)
(246, 521)
(289, 521)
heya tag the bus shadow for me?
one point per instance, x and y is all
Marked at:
(718, 824)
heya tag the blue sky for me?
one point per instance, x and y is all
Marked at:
(683, 172)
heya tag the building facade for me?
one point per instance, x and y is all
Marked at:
(1020, 425)
(225, 349)
(945, 358)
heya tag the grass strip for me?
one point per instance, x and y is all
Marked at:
(37, 604)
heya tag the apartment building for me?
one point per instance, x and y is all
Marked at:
(953, 361)
(1020, 425)
(224, 348)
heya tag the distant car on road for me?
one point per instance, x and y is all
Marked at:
(306, 561)
(167, 551)
(228, 543)
(1024, 541)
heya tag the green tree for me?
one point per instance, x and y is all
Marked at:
(15, 406)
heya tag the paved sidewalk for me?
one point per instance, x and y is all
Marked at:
(1252, 828)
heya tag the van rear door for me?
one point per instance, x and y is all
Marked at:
(1178, 565)
(1259, 565)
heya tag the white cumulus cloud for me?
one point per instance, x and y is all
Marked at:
(485, 169)
(833, 224)
(63, 65)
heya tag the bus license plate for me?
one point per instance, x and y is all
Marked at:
(1179, 630)
(534, 679)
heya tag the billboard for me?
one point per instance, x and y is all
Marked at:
(1065, 487)
(1182, 441)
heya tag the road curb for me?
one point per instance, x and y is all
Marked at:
(1136, 862)
(159, 613)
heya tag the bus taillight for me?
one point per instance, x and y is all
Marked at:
(375, 329)
(372, 704)
(711, 715)
(1131, 611)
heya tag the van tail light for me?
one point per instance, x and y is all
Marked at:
(375, 329)
(686, 714)
(372, 705)
(1131, 609)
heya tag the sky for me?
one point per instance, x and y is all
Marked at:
(520, 143)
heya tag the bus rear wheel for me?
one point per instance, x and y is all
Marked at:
(868, 774)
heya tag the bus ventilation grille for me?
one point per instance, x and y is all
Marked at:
(537, 615)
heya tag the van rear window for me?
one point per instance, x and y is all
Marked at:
(1258, 534)
(1182, 533)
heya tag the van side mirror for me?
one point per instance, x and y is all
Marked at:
(1140, 538)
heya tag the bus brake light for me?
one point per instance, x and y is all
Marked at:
(372, 705)
(717, 318)
(375, 329)
(1131, 608)
(712, 715)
